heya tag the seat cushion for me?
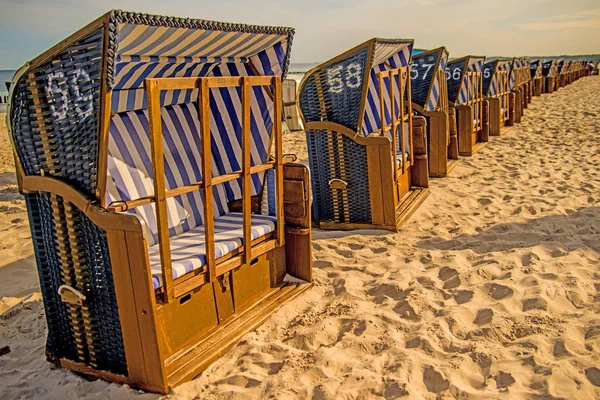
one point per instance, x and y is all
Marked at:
(188, 251)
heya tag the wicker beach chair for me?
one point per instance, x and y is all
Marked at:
(537, 78)
(369, 168)
(562, 73)
(163, 228)
(501, 100)
(465, 94)
(290, 105)
(430, 100)
(549, 72)
(517, 84)
(527, 82)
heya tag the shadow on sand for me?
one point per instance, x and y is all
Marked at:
(571, 231)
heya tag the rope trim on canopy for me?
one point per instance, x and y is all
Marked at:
(118, 17)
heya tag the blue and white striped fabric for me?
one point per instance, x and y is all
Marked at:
(494, 88)
(434, 96)
(399, 57)
(146, 40)
(166, 52)
(473, 64)
(130, 167)
(188, 250)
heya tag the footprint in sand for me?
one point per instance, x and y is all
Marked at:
(464, 296)
(560, 350)
(483, 316)
(499, 292)
(450, 277)
(434, 381)
(356, 246)
(504, 380)
(535, 304)
(593, 375)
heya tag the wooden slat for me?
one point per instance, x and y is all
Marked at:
(214, 82)
(403, 78)
(246, 194)
(394, 127)
(207, 185)
(158, 174)
(102, 170)
(128, 314)
(381, 103)
(196, 186)
(278, 161)
(375, 190)
(409, 100)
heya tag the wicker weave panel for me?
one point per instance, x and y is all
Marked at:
(454, 84)
(68, 88)
(342, 88)
(60, 335)
(423, 70)
(321, 158)
(55, 130)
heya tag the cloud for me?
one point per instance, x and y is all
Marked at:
(577, 20)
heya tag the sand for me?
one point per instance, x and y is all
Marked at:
(491, 290)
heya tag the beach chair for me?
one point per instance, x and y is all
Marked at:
(290, 105)
(517, 87)
(562, 73)
(527, 83)
(368, 165)
(549, 72)
(501, 100)
(164, 228)
(535, 70)
(430, 100)
(465, 95)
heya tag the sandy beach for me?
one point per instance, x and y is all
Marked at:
(491, 290)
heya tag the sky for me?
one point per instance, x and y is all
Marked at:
(325, 28)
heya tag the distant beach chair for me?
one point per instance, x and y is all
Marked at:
(517, 84)
(563, 73)
(500, 99)
(369, 168)
(537, 78)
(430, 100)
(163, 227)
(465, 95)
(550, 72)
(290, 105)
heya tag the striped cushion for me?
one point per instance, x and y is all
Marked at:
(188, 250)
(130, 167)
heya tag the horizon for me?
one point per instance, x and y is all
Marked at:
(550, 27)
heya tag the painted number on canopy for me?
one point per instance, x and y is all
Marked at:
(336, 76)
(486, 73)
(414, 70)
(59, 88)
(453, 74)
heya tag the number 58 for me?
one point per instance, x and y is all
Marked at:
(352, 74)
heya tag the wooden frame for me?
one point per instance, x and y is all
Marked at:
(500, 103)
(472, 116)
(395, 188)
(170, 335)
(440, 124)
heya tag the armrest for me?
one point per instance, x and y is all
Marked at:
(102, 218)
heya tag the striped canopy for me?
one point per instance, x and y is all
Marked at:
(490, 75)
(536, 69)
(425, 82)
(457, 69)
(549, 68)
(349, 86)
(156, 47)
